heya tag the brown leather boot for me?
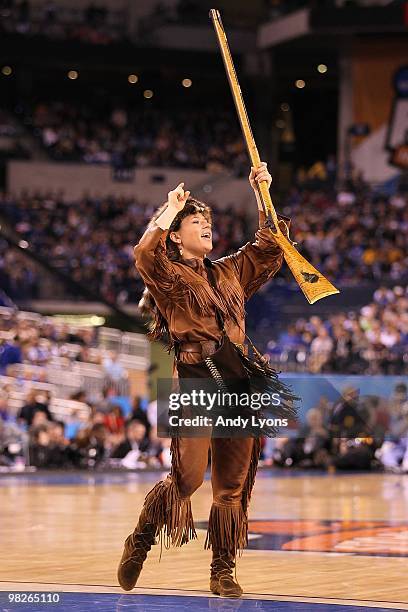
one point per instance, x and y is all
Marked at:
(222, 581)
(137, 545)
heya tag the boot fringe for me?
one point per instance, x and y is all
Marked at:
(227, 529)
(171, 514)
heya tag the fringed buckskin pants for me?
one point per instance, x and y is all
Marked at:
(234, 462)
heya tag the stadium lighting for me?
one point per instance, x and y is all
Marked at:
(7, 70)
(133, 78)
(73, 75)
(187, 82)
(148, 93)
(322, 68)
(285, 107)
(300, 84)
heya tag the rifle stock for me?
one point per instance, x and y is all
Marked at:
(313, 284)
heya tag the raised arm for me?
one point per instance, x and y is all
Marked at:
(257, 262)
(151, 259)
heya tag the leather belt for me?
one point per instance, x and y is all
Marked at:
(206, 347)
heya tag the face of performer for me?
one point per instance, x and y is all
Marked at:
(194, 236)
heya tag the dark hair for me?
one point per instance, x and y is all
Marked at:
(191, 207)
(133, 421)
(148, 307)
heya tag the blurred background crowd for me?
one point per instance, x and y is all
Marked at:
(103, 437)
(356, 432)
(352, 433)
(354, 237)
(370, 341)
(94, 24)
(47, 420)
(206, 139)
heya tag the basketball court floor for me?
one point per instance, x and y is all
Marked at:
(324, 543)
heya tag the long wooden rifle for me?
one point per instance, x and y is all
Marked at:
(313, 284)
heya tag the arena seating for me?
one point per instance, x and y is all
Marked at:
(371, 341)
(125, 137)
(70, 357)
(355, 237)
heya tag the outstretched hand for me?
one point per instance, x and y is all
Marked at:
(259, 174)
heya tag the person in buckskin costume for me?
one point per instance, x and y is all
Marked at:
(171, 257)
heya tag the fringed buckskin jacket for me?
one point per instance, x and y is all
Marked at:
(184, 296)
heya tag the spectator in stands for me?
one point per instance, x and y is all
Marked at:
(10, 353)
(58, 445)
(116, 376)
(56, 431)
(209, 139)
(320, 349)
(98, 25)
(354, 435)
(76, 422)
(13, 442)
(158, 450)
(39, 418)
(352, 454)
(79, 396)
(114, 420)
(135, 442)
(19, 278)
(393, 453)
(84, 355)
(114, 370)
(48, 446)
(5, 415)
(164, 455)
(92, 446)
(39, 449)
(138, 414)
(345, 420)
(106, 404)
(310, 448)
(35, 403)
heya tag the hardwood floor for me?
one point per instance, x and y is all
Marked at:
(339, 538)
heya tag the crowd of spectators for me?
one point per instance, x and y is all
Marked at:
(125, 138)
(94, 24)
(36, 343)
(102, 437)
(92, 240)
(353, 236)
(91, 426)
(353, 239)
(19, 278)
(353, 432)
(11, 141)
(373, 340)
